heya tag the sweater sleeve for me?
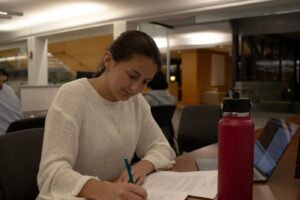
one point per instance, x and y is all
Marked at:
(56, 177)
(152, 144)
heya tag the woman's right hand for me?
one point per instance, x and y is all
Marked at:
(100, 190)
(126, 191)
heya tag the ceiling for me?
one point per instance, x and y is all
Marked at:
(57, 19)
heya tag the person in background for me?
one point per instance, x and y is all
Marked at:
(9, 103)
(159, 95)
(93, 124)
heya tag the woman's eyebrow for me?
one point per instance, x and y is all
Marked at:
(134, 71)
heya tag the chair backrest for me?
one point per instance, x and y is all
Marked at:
(198, 126)
(163, 116)
(26, 123)
(20, 154)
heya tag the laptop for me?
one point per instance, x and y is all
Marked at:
(268, 149)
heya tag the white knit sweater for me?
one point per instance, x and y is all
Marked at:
(88, 137)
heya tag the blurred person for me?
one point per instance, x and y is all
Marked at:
(159, 95)
(10, 109)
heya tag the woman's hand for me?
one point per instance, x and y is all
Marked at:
(139, 172)
(99, 190)
(125, 191)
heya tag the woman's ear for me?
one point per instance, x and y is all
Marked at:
(107, 60)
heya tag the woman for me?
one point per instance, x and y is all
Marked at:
(93, 124)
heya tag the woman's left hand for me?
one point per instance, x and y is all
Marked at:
(139, 172)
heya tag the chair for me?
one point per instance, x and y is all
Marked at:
(26, 123)
(198, 126)
(20, 154)
(163, 116)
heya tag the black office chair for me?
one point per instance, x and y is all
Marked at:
(20, 154)
(163, 116)
(26, 123)
(198, 126)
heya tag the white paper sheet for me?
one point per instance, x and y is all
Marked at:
(154, 194)
(196, 183)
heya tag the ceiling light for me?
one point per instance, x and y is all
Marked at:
(161, 42)
(7, 14)
(56, 14)
(201, 38)
(13, 58)
(3, 13)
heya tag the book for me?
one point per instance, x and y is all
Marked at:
(166, 185)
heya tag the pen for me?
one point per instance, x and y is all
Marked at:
(128, 167)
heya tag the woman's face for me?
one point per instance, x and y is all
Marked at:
(128, 78)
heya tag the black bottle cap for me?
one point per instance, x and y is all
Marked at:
(237, 105)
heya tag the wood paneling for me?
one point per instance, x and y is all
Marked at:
(190, 81)
(196, 74)
(19, 64)
(81, 54)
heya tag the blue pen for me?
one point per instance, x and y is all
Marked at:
(128, 167)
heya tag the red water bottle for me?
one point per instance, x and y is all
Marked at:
(235, 143)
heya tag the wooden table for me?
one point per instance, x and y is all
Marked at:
(281, 185)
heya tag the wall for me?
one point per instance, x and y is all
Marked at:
(190, 81)
(81, 54)
(286, 23)
(197, 74)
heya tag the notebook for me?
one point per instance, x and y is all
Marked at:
(268, 149)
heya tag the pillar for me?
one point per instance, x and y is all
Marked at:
(37, 61)
(121, 26)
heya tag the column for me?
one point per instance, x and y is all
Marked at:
(190, 78)
(121, 26)
(37, 61)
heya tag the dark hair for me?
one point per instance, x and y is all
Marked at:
(159, 81)
(3, 72)
(130, 43)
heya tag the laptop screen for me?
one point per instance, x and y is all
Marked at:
(272, 142)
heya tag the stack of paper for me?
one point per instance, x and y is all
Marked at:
(166, 185)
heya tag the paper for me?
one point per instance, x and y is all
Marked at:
(167, 183)
(154, 194)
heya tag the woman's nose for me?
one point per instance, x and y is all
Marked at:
(136, 86)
